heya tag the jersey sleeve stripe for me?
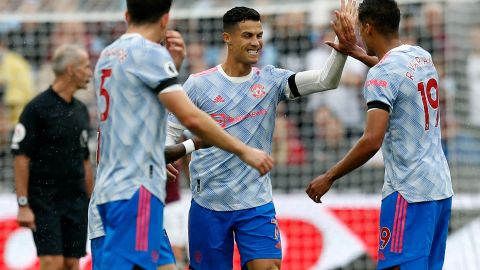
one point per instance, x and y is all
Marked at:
(165, 84)
(293, 86)
(378, 105)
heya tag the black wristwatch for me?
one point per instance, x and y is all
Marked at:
(22, 201)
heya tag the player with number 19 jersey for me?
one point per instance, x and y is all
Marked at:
(132, 127)
(407, 82)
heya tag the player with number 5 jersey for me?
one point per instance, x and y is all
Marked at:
(403, 118)
(136, 82)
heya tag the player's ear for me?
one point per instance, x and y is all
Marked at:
(127, 17)
(227, 38)
(164, 20)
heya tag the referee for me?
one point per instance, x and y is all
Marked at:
(53, 175)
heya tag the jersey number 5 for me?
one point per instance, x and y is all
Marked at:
(106, 73)
(427, 97)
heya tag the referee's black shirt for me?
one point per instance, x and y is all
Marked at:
(53, 134)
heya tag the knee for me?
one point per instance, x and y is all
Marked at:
(51, 263)
(264, 265)
(71, 264)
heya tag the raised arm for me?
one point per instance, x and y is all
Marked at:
(344, 27)
(313, 81)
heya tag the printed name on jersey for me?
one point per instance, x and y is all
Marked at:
(170, 69)
(19, 133)
(119, 53)
(257, 90)
(379, 83)
(419, 61)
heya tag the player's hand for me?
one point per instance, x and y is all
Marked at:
(176, 47)
(258, 159)
(199, 143)
(172, 173)
(318, 187)
(344, 27)
(26, 218)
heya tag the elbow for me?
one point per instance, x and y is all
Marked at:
(192, 123)
(373, 143)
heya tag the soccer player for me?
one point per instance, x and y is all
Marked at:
(135, 79)
(401, 92)
(231, 200)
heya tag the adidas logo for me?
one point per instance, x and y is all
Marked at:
(218, 99)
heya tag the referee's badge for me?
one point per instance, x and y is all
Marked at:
(83, 138)
(19, 133)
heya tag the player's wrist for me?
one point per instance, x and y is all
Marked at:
(189, 146)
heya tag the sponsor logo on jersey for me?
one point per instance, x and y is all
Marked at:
(218, 99)
(220, 118)
(379, 83)
(258, 90)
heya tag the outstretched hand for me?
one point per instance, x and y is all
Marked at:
(344, 27)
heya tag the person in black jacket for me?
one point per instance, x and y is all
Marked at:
(53, 174)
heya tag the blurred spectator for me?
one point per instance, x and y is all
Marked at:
(291, 38)
(460, 147)
(432, 35)
(345, 101)
(329, 142)
(473, 75)
(287, 149)
(409, 31)
(16, 83)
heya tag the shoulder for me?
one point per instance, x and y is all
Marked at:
(203, 74)
(273, 71)
(79, 104)
(38, 104)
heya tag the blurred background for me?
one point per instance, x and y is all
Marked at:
(311, 133)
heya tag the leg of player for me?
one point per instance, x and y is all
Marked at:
(51, 262)
(258, 238)
(71, 264)
(167, 267)
(264, 264)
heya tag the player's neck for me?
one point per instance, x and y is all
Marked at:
(147, 31)
(236, 69)
(386, 45)
(64, 89)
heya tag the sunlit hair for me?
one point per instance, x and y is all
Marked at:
(383, 14)
(147, 11)
(238, 14)
(65, 55)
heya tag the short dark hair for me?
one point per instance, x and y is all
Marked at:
(239, 14)
(147, 11)
(383, 14)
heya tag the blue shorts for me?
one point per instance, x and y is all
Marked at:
(134, 235)
(413, 235)
(211, 235)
